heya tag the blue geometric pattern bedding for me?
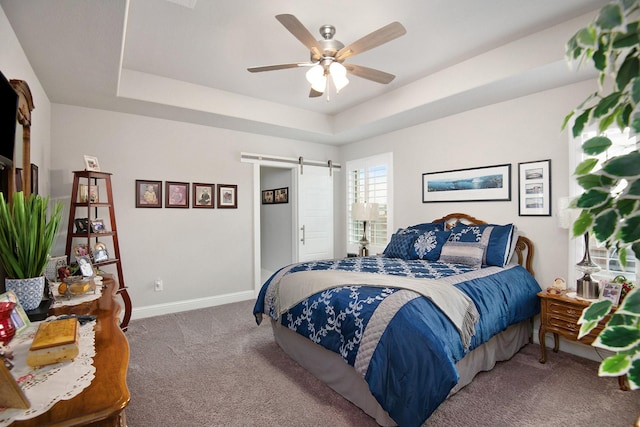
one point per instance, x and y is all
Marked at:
(401, 342)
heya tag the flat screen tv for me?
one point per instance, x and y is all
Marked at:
(8, 121)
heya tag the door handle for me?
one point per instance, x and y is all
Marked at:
(303, 234)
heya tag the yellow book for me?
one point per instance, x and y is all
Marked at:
(55, 341)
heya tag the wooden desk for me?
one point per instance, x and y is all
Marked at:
(103, 402)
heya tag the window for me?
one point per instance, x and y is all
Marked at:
(607, 259)
(370, 180)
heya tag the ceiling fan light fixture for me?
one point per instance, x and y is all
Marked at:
(317, 78)
(338, 75)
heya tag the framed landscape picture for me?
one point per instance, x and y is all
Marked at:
(488, 183)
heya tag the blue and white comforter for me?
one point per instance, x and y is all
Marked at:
(403, 344)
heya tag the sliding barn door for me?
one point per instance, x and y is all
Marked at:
(315, 213)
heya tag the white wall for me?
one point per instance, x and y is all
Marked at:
(204, 256)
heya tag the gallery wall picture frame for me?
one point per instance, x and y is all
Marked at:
(281, 195)
(34, 179)
(485, 183)
(534, 188)
(91, 163)
(227, 196)
(176, 194)
(148, 194)
(203, 195)
(267, 197)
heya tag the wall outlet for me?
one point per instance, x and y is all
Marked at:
(158, 285)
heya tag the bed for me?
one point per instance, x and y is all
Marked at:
(396, 334)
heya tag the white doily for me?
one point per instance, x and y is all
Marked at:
(60, 300)
(48, 385)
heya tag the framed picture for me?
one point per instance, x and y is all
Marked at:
(267, 197)
(97, 225)
(94, 194)
(84, 262)
(177, 194)
(227, 196)
(80, 250)
(203, 195)
(82, 225)
(487, 183)
(18, 315)
(100, 252)
(91, 163)
(34, 179)
(281, 195)
(534, 188)
(611, 291)
(148, 194)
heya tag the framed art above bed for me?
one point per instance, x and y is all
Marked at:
(487, 183)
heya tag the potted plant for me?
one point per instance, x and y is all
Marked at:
(611, 200)
(26, 237)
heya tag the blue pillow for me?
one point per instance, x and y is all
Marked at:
(428, 245)
(496, 238)
(401, 243)
(426, 226)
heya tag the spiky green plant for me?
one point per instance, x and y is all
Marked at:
(621, 334)
(26, 236)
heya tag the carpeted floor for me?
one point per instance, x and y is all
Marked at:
(215, 367)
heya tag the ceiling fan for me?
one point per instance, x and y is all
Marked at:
(328, 55)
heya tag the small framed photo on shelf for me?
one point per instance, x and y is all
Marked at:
(100, 252)
(148, 194)
(203, 195)
(281, 195)
(267, 197)
(611, 291)
(177, 194)
(80, 250)
(91, 163)
(86, 268)
(534, 192)
(82, 225)
(97, 225)
(227, 196)
(18, 315)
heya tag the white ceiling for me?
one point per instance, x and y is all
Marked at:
(186, 59)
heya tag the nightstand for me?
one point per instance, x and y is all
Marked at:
(559, 314)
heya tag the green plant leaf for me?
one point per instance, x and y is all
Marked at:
(586, 37)
(595, 312)
(606, 122)
(623, 118)
(582, 224)
(622, 257)
(600, 60)
(580, 122)
(633, 375)
(604, 106)
(566, 120)
(614, 366)
(627, 165)
(636, 249)
(592, 198)
(626, 39)
(587, 327)
(594, 180)
(628, 70)
(630, 230)
(633, 189)
(604, 224)
(618, 338)
(635, 123)
(610, 17)
(631, 303)
(635, 90)
(586, 166)
(596, 145)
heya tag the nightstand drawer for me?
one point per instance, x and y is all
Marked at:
(566, 311)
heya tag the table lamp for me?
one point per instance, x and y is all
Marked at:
(364, 212)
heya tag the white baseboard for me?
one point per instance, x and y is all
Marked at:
(579, 349)
(186, 305)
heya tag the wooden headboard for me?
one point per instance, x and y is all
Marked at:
(524, 246)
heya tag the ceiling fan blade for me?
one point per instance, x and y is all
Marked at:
(369, 73)
(371, 40)
(314, 93)
(278, 67)
(300, 32)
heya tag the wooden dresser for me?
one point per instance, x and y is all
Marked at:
(104, 401)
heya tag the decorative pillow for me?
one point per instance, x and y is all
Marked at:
(426, 226)
(428, 245)
(467, 253)
(496, 238)
(401, 243)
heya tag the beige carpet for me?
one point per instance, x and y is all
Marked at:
(215, 367)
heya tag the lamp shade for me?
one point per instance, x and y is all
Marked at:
(338, 75)
(365, 211)
(317, 78)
